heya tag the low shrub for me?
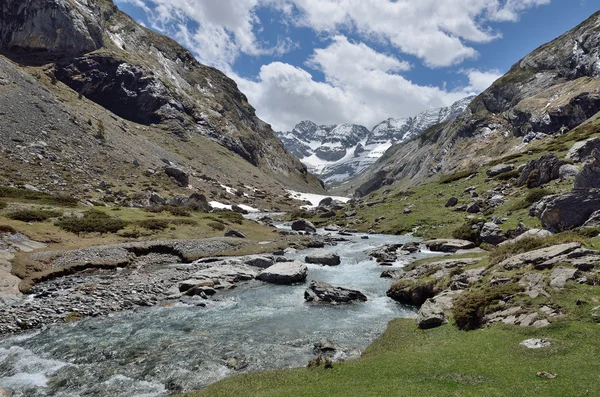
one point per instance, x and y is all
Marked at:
(533, 196)
(33, 215)
(508, 175)
(7, 229)
(216, 226)
(2, 204)
(231, 216)
(456, 177)
(470, 307)
(172, 209)
(24, 194)
(154, 224)
(93, 221)
(505, 159)
(467, 232)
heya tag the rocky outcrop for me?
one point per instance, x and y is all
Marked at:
(284, 273)
(323, 292)
(541, 171)
(538, 257)
(54, 27)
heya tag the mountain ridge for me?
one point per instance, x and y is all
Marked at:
(338, 152)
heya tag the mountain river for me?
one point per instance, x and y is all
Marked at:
(161, 350)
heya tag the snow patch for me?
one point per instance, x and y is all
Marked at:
(314, 199)
(220, 206)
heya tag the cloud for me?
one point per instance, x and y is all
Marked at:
(361, 86)
(480, 80)
(356, 83)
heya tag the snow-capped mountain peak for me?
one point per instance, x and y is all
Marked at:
(338, 152)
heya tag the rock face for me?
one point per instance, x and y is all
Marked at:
(53, 27)
(163, 106)
(284, 273)
(541, 171)
(338, 152)
(323, 292)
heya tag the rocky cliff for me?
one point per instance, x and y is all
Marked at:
(547, 93)
(132, 96)
(338, 152)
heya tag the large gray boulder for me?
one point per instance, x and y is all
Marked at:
(327, 260)
(589, 177)
(541, 171)
(492, 234)
(567, 171)
(500, 169)
(538, 256)
(567, 211)
(323, 292)
(178, 175)
(430, 315)
(561, 275)
(284, 273)
(303, 225)
(581, 151)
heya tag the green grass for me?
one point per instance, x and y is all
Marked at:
(38, 197)
(443, 361)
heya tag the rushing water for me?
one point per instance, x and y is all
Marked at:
(157, 351)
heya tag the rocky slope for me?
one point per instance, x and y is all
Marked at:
(553, 90)
(338, 152)
(96, 100)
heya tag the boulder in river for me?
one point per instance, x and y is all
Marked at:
(327, 260)
(284, 273)
(303, 225)
(323, 292)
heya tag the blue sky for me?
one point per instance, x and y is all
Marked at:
(358, 61)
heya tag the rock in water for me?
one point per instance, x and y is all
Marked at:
(302, 225)
(327, 260)
(323, 292)
(284, 273)
(448, 245)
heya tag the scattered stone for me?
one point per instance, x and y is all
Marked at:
(544, 374)
(327, 260)
(541, 323)
(451, 202)
(327, 201)
(323, 292)
(474, 208)
(260, 261)
(350, 214)
(325, 346)
(284, 273)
